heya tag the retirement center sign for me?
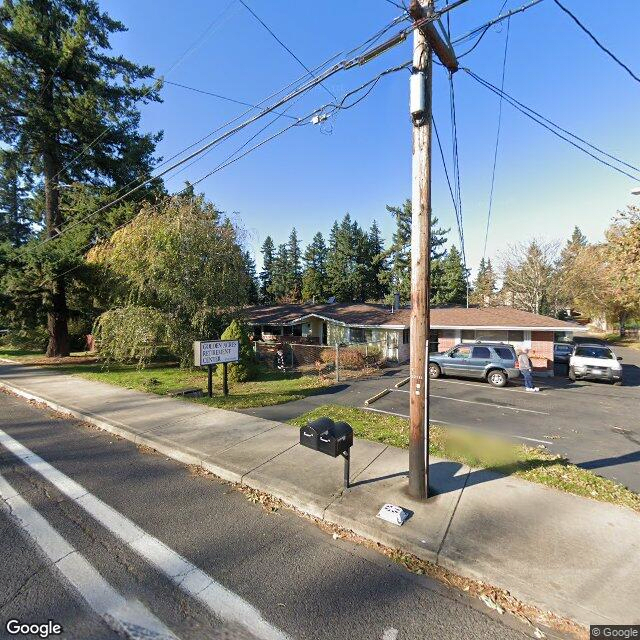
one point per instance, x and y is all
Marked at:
(215, 352)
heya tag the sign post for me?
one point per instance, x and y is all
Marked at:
(212, 352)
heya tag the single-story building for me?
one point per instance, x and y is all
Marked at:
(377, 324)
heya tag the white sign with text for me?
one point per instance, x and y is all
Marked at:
(215, 352)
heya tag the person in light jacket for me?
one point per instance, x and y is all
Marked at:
(524, 363)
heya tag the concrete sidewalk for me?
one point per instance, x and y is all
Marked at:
(575, 557)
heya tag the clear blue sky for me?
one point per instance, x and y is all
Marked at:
(307, 178)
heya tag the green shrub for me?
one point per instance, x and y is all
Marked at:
(131, 334)
(246, 368)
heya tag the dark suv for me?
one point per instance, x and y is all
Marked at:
(495, 362)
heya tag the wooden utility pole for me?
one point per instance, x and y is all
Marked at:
(426, 40)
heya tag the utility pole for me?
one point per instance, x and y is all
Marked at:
(426, 40)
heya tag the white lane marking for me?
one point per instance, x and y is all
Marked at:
(487, 386)
(222, 602)
(489, 404)
(493, 433)
(400, 415)
(122, 615)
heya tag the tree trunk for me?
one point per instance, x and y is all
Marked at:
(622, 319)
(58, 313)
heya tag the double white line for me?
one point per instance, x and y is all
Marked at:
(101, 597)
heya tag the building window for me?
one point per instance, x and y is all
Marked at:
(406, 336)
(516, 336)
(490, 335)
(357, 335)
(468, 335)
(292, 330)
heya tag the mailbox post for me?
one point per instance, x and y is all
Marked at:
(331, 438)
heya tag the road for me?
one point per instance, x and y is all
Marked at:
(99, 536)
(594, 424)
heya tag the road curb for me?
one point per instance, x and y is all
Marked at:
(303, 504)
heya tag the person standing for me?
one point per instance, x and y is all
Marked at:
(524, 363)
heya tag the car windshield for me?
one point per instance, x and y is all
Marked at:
(601, 353)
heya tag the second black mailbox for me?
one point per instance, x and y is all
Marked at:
(326, 436)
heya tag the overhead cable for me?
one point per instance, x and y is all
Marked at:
(495, 152)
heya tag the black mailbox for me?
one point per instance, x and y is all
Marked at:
(329, 437)
(337, 440)
(310, 435)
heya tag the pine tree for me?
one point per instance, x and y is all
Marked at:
(253, 284)
(339, 260)
(15, 216)
(294, 270)
(266, 275)
(453, 280)
(62, 92)
(485, 285)
(280, 274)
(398, 278)
(314, 277)
(376, 264)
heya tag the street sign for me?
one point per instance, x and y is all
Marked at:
(215, 352)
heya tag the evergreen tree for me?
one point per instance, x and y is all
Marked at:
(253, 284)
(376, 264)
(280, 275)
(266, 275)
(453, 280)
(15, 216)
(62, 92)
(338, 260)
(314, 277)
(245, 369)
(485, 285)
(294, 270)
(398, 278)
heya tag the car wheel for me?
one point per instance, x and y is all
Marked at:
(434, 371)
(617, 383)
(572, 374)
(497, 378)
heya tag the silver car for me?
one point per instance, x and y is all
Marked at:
(495, 362)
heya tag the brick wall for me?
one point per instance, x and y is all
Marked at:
(444, 344)
(542, 347)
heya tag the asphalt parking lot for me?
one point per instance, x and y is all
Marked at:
(594, 424)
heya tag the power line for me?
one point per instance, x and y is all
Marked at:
(233, 157)
(344, 64)
(213, 94)
(482, 34)
(495, 152)
(456, 169)
(284, 46)
(173, 66)
(554, 128)
(598, 43)
(500, 18)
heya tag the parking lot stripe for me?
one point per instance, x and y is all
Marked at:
(488, 431)
(222, 602)
(484, 386)
(121, 614)
(489, 404)
(400, 415)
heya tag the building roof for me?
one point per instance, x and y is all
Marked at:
(378, 315)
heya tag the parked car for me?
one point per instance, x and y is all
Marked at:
(595, 362)
(562, 352)
(495, 362)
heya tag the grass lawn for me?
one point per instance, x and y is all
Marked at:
(616, 340)
(271, 387)
(480, 451)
